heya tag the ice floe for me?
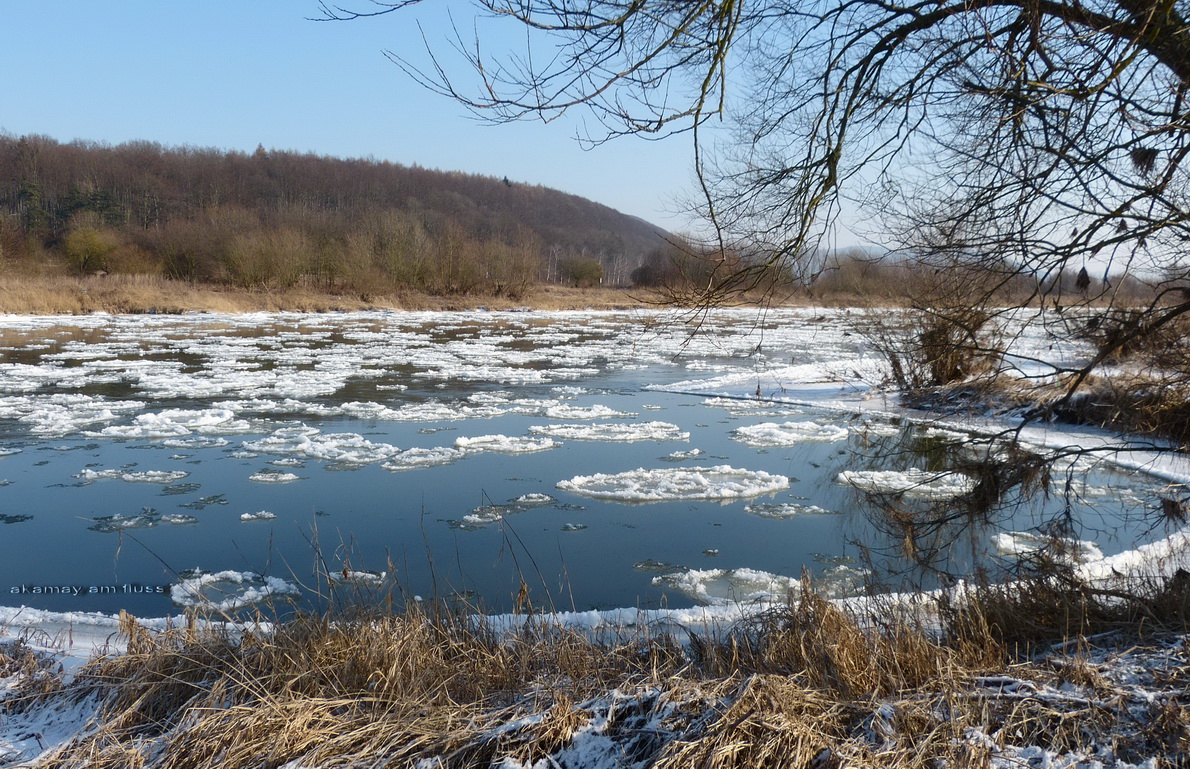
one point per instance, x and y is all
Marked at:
(742, 585)
(912, 483)
(273, 476)
(228, 591)
(612, 431)
(505, 444)
(1023, 544)
(789, 433)
(164, 477)
(721, 482)
(783, 510)
(259, 515)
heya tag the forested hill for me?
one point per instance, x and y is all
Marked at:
(274, 218)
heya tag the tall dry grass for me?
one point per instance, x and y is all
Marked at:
(807, 685)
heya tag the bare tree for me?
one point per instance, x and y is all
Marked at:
(1020, 140)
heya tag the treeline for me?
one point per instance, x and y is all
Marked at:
(273, 219)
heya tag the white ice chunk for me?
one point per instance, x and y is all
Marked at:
(1026, 543)
(912, 483)
(259, 515)
(505, 444)
(641, 485)
(412, 459)
(726, 586)
(612, 431)
(273, 476)
(146, 476)
(789, 433)
(228, 590)
(782, 510)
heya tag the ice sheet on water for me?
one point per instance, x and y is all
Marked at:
(164, 477)
(416, 458)
(783, 510)
(227, 591)
(196, 443)
(505, 444)
(259, 515)
(788, 434)
(63, 413)
(721, 482)
(1022, 544)
(718, 587)
(681, 456)
(273, 476)
(598, 411)
(613, 431)
(485, 515)
(147, 518)
(912, 483)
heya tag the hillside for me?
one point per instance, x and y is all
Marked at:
(276, 219)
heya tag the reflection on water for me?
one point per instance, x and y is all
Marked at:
(150, 462)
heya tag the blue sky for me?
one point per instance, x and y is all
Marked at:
(233, 75)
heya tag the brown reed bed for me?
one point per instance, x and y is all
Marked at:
(804, 685)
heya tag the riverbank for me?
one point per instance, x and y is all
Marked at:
(140, 294)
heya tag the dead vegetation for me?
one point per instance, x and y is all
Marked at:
(145, 294)
(806, 685)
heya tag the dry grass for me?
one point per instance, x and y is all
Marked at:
(69, 295)
(804, 686)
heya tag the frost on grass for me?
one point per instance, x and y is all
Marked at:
(227, 591)
(789, 434)
(640, 431)
(720, 482)
(912, 483)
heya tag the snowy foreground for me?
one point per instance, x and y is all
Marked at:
(1121, 688)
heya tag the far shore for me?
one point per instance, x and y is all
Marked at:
(62, 295)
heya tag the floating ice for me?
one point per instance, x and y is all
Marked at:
(259, 515)
(505, 444)
(227, 591)
(1022, 544)
(679, 456)
(358, 577)
(164, 477)
(567, 411)
(175, 423)
(726, 586)
(641, 485)
(196, 443)
(273, 476)
(8, 452)
(485, 515)
(146, 519)
(640, 431)
(782, 510)
(789, 433)
(413, 459)
(912, 483)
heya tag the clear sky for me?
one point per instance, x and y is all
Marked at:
(233, 74)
